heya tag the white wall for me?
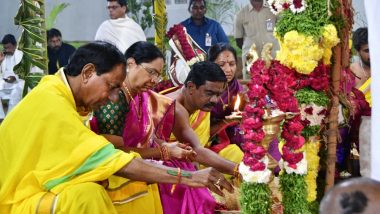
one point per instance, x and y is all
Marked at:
(79, 21)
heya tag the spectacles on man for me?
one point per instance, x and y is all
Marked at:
(113, 7)
(156, 76)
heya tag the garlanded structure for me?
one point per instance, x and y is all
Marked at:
(299, 81)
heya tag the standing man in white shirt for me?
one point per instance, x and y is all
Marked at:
(254, 23)
(119, 30)
(10, 85)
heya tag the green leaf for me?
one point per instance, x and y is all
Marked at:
(50, 20)
(255, 198)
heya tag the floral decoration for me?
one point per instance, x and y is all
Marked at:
(296, 6)
(190, 52)
(312, 149)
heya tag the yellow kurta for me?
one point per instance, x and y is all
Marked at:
(200, 122)
(46, 150)
(366, 89)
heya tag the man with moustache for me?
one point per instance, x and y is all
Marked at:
(199, 94)
(58, 51)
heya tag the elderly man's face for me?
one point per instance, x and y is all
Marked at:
(96, 90)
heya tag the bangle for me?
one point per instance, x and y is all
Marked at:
(179, 173)
(178, 180)
(164, 151)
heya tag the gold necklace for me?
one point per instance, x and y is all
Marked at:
(138, 110)
(225, 105)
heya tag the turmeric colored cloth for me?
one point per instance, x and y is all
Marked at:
(50, 160)
(366, 89)
(200, 122)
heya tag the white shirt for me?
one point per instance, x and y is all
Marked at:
(6, 67)
(122, 32)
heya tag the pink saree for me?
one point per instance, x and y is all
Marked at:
(156, 117)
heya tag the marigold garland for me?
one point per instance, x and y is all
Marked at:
(312, 149)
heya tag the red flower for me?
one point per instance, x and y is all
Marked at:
(297, 3)
(253, 123)
(285, 6)
(322, 112)
(258, 166)
(309, 110)
(291, 157)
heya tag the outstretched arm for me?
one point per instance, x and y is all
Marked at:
(141, 170)
(175, 150)
(184, 133)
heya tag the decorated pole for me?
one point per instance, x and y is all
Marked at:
(160, 22)
(341, 55)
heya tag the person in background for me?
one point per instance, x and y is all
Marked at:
(254, 24)
(10, 85)
(58, 52)
(119, 30)
(225, 134)
(203, 30)
(362, 73)
(69, 161)
(362, 68)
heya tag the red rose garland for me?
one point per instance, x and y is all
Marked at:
(277, 82)
(187, 50)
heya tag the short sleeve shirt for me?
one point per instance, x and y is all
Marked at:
(210, 28)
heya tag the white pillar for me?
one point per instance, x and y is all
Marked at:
(373, 17)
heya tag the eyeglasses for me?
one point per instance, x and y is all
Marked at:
(113, 7)
(156, 76)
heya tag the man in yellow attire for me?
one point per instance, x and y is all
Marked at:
(51, 162)
(201, 91)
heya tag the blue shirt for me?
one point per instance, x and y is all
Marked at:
(199, 32)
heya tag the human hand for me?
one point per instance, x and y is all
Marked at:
(2, 57)
(209, 178)
(180, 151)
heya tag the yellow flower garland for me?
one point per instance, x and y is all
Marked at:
(312, 149)
(304, 52)
(329, 40)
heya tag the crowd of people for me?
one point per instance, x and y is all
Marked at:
(98, 139)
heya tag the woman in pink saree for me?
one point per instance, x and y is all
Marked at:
(143, 120)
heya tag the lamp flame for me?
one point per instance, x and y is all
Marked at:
(237, 103)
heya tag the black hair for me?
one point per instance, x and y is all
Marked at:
(103, 55)
(9, 38)
(192, 1)
(53, 32)
(360, 38)
(205, 71)
(143, 52)
(218, 48)
(121, 2)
